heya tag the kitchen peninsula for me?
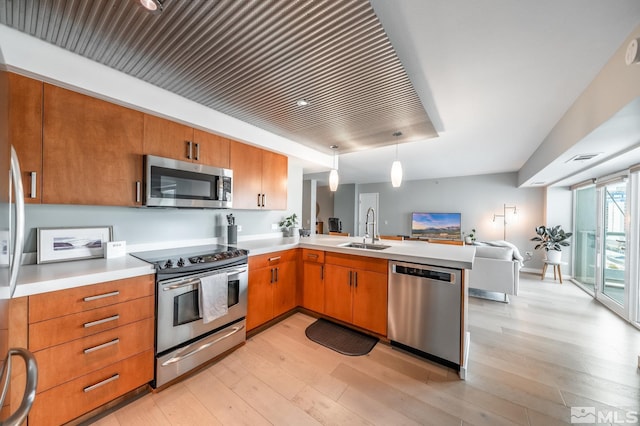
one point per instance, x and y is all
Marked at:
(317, 274)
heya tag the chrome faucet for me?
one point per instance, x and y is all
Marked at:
(373, 223)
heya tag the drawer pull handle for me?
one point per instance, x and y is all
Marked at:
(102, 383)
(101, 296)
(273, 259)
(102, 346)
(312, 255)
(179, 358)
(101, 321)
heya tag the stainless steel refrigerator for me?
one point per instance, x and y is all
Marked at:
(11, 244)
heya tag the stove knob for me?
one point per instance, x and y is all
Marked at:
(169, 264)
(180, 262)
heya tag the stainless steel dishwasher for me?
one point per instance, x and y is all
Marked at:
(424, 311)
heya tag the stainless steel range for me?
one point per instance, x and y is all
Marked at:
(185, 338)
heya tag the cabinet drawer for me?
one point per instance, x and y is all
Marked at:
(59, 364)
(310, 255)
(357, 262)
(271, 259)
(70, 400)
(64, 302)
(59, 330)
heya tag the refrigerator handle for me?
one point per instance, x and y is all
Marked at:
(21, 413)
(17, 254)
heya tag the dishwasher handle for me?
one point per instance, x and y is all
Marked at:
(420, 271)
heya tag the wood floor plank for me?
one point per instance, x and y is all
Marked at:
(325, 410)
(391, 397)
(277, 378)
(431, 394)
(370, 409)
(500, 406)
(181, 407)
(226, 405)
(271, 405)
(142, 412)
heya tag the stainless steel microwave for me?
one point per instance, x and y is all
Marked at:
(174, 183)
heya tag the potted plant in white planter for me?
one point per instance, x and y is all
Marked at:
(551, 239)
(470, 237)
(288, 225)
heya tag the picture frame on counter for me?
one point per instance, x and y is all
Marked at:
(72, 243)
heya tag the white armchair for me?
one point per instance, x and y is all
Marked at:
(496, 268)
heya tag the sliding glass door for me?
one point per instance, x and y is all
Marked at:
(602, 244)
(586, 221)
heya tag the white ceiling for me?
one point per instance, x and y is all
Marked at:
(494, 76)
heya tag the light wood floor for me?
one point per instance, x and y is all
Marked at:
(551, 348)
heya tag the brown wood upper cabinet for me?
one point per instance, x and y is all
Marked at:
(25, 131)
(260, 178)
(169, 139)
(92, 150)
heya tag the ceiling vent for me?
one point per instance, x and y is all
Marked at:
(582, 157)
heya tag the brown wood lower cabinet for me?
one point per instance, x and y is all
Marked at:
(313, 280)
(72, 399)
(356, 291)
(92, 344)
(272, 286)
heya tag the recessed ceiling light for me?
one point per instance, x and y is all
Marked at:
(334, 147)
(302, 102)
(153, 6)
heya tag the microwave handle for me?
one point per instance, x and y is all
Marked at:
(138, 191)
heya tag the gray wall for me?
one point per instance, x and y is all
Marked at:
(477, 198)
(324, 198)
(344, 206)
(150, 225)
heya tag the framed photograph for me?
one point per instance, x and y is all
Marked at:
(62, 244)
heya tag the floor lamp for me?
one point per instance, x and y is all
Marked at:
(504, 218)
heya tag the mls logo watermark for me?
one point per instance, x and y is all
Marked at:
(589, 415)
(583, 415)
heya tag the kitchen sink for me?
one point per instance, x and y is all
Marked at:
(365, 246)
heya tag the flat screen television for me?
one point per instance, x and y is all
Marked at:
(440, 226)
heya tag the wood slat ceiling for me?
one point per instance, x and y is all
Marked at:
(251, 60)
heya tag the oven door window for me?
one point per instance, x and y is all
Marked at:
(186, 306)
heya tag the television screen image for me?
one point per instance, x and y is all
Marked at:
(441, 226)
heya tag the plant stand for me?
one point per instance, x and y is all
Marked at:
(556, 268)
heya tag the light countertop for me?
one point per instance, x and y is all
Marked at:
(35, 279)
(445, 255)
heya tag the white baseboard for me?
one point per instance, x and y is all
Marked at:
(549, 273)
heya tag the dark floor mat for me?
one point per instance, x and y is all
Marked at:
(340, 339)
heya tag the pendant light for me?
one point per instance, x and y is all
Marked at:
(333, 175)
(152, 6)
(396, 167)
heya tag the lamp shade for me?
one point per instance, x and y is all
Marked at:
(333, 180)
(396, 174)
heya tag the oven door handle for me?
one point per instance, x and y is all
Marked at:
(179, 358)
(194, 281)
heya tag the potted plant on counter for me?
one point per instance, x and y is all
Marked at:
(551, 239)
(288, 225)
(470, 237)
